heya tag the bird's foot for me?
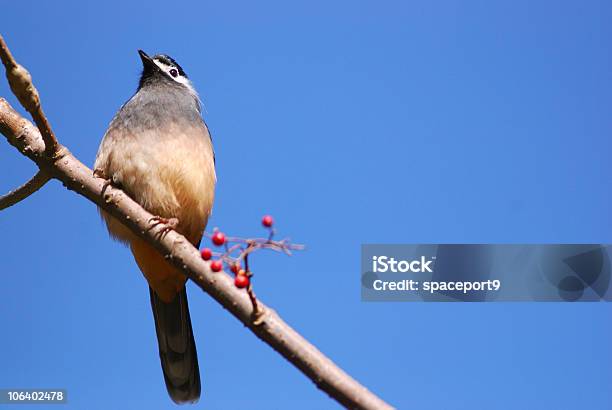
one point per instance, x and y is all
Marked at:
(98, 173)
(170, 224)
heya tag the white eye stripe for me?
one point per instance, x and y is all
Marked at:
(179, 78)
(165, 67)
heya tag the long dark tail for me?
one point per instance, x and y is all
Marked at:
(177, 349)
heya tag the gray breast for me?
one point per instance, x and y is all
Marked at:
(156, 106)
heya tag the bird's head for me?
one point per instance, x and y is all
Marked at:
(161, 68)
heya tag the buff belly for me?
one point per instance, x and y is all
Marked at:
(171, 177)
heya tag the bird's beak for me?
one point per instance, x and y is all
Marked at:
(147, 61)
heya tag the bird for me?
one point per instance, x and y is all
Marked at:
(159, 151)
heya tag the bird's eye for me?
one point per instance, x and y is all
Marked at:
(173, 72)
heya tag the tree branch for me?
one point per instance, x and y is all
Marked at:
(24, 191)
(59, 163)
(21, 84)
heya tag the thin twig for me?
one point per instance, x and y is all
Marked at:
(20, 81)
(24, 191)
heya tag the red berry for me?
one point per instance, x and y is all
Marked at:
(216, 266)
(206, 253)
(218, 238)
(267, 221)
(241, 281)
(235, 267)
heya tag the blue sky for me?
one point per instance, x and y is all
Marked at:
(350, 122)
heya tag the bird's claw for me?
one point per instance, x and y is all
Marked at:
(170, 224)
(98, 173)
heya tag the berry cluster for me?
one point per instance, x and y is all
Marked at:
(237, 250)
